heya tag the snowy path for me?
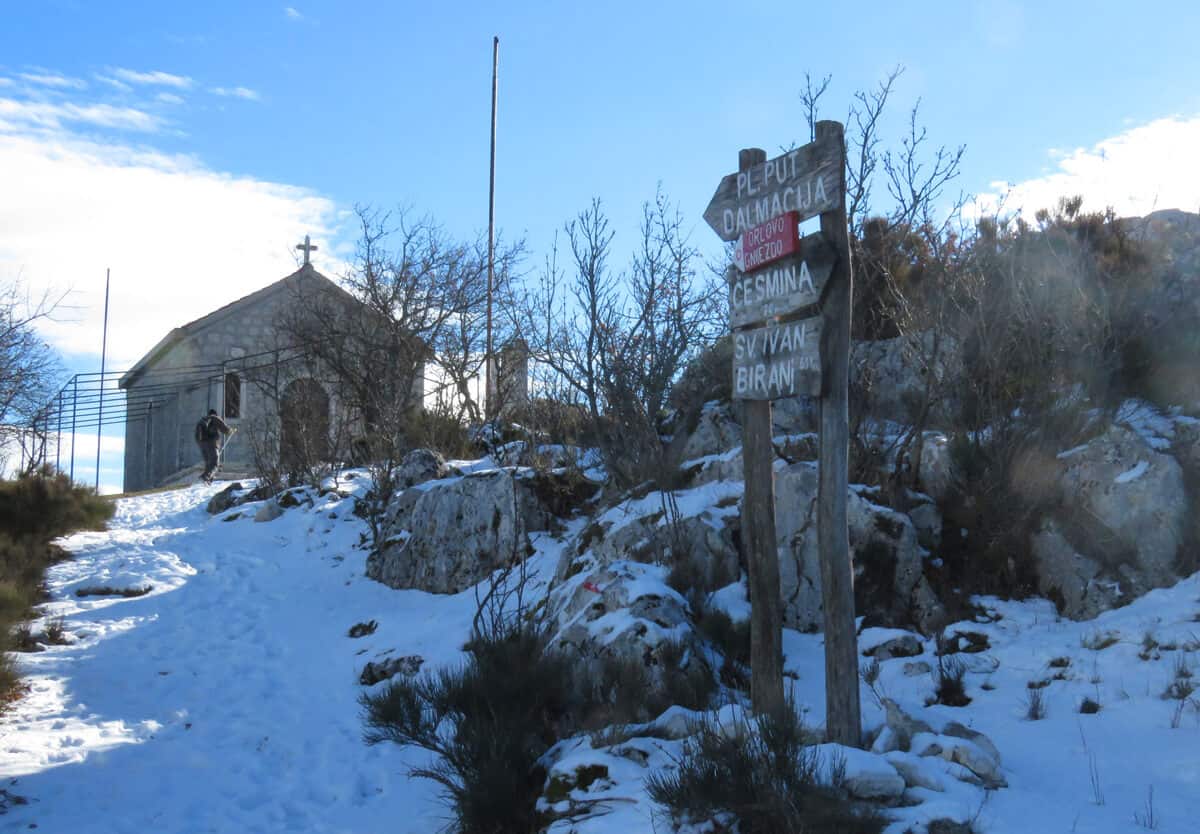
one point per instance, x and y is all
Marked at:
(225, 699)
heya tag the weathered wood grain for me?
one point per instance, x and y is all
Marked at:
(843, 722)
(808, 180)
(758, 534)
(778, 360)
(783, 288)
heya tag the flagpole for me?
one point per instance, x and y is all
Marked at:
(103, 356)
(489, 358)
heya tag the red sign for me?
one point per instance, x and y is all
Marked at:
(769, 242)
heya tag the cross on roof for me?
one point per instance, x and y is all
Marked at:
(307, 248)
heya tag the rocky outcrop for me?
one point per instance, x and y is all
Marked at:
(896, 372)
(1080, 586)
(419, 466)
(623, 610)
(889, 584)
(1119, 526)
(694, 531)
(976, 754)
(716, 431)
(448, 535)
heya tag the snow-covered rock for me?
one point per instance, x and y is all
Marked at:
(717, 430)
(456, 533)
(269, 511)
(863, 775)
(1117, 534)
(624, 610)
(694, 527)
(419, 466)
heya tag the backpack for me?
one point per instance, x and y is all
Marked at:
(206, 431)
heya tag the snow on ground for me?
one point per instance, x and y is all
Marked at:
(225, 699)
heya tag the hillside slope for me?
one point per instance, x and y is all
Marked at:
(225, 699)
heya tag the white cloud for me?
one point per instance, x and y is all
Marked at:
(60, 82)
(112, 82)
(6, 82)
(156, 78)
(236, 92)
(1146, 168)
(18, 115)
(293, 14)
(181, 239)
(169, 98)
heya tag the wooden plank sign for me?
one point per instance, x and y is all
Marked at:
(807, 181)
(769, 242)
(779, 360)
(782, 288)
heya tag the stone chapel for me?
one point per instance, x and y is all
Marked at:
(220, 361)
(207, 364)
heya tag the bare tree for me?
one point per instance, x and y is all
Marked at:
(619, 341)
(29, 368)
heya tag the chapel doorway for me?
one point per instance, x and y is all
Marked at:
(304, 426)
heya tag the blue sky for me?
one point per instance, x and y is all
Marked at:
(190, 146)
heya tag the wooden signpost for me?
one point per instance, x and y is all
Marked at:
(782, 350)
(777, 360)
(769, 242)
(782, 288)
(809, 180)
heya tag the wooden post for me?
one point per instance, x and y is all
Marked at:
(843, 723)
(758, 535)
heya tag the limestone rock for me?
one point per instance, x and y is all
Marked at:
(623, 610)
(980, 762)
(419, 466)
(915, 771)
(937, 473)
(644, 532)
(375, 672)
(927, 520)
(889, 585)
(455, 534)
(716, 431)
(903, 725)
(866, 775)
(269, 511)
(1079, 586)
(795, 415)
(1121, 524)
(895, 372)
(225, 499)
(907, 645)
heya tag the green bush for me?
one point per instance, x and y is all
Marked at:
(488, 721)
(630, 691)
(766, 777)
(34, 509)
(43, 506)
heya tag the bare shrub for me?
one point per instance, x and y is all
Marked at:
(765, 777)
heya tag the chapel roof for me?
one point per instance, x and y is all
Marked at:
(306, 273)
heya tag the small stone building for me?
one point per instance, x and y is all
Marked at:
(210, 364)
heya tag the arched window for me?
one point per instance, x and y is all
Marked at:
(233, 396)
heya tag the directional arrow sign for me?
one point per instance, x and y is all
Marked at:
(779, 360)
(807, 181)
(783, 287)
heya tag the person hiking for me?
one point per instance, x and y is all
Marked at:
(210, 432)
